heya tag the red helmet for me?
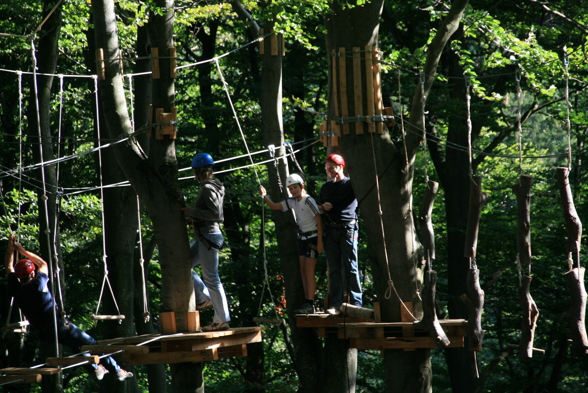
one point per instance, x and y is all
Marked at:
(336, 158)
(24, 268)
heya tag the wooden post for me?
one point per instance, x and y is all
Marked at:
(530, 312)
(576, 314)
(377, 88)
(369, 85)
(343, 88)
(155, 63)
(168, 322)
(357, 86)
(173, 62)
(335, 82)
(274, 44)
(261, 41)
(405, 315)
(100, 65)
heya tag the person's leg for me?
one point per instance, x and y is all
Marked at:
(74, 338)
(200, 291)
(302, 262)
(350, 266)
(209, 262)
(332, 249)
(309, 277)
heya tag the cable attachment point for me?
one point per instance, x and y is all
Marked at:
(272, 151)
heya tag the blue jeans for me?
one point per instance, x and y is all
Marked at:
(73, 337)
(210, 286)
(341, 250)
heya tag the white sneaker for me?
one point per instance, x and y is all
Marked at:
(333, 311)
(101, 371)
(124, 374)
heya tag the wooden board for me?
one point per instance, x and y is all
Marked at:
(24, 371)
(402, 343)
(61, 362)
(112, 349)
(21, 379)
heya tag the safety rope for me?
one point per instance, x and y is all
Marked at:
(423, 103)
(402, 121)
(56, 243)
(226, 87)
(468, 85)
(146, 314)
(104, 257)
(44, 198)
(391, 286)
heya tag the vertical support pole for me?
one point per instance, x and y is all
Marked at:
(369, 85)
(155, 63)
(357, 88)
(172, 62)
(379, 105)
(343, 88)
(100, 65)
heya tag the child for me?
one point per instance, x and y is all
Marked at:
(310, 234)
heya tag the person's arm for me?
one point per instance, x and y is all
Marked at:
(272, 205)
(9, 256)
(319, 227)
(37, 260)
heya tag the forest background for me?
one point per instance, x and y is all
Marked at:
(523, 62)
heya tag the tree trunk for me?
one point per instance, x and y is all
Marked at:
(39, 112)
(153, 177)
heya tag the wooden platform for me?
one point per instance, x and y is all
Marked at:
(381, 335)
(15, 375)
(179, 347)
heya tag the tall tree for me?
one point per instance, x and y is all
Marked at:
(377, 165)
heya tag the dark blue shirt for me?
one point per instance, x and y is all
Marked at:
(340, 194)
(34, 299)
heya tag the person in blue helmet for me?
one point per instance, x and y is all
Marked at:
(27, 283)
(206, 216)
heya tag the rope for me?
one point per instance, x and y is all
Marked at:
(44, 197)
(104, 257)
(146, 314)
(391, 286)
(56, 252)
(226, 87)
(423, 103)
(402, 122)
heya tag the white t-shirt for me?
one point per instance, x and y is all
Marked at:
(304, 210)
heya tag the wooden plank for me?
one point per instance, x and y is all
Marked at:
(378, 103)
(406, 343)
(100, 64)
(274, 44)
(234, 351)
(129, 349)
(108, 317)
(369, 85)
(343, 88)
(20, 379)
(261, 42)
(357, 89)
(406, 314)
(24, 371)
(335, 86)
(170, 357)
(55, 362)
(159, 135)
(155, 72)
(443, 322)
(173, 62)
(203, 343)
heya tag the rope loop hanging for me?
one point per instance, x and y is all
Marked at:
(568, 105)
(468, 85)
(422, 81)
(146, 314)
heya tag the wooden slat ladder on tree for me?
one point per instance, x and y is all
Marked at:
(357, 95)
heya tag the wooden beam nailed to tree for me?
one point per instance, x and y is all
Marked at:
(430, 322)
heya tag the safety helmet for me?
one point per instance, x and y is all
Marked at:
(294, 179)
(336, 158)
(202, 159)
(24, 268)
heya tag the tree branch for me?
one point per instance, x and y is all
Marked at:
(578, 25)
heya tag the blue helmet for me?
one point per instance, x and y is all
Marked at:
(202, 159)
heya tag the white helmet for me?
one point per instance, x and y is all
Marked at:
(294, 179)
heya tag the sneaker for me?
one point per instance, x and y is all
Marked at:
(215, 327)
(305, 309)
(124, 374)
(333, 311)
(205, 305)
(101, 371)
